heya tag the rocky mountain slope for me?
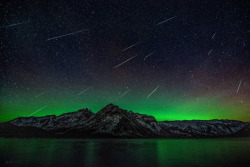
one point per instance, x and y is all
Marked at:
(111, 121)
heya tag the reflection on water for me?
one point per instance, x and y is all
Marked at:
(125, 152)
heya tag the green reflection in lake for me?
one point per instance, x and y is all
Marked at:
(125, 152)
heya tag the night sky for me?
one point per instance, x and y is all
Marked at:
(175, 59)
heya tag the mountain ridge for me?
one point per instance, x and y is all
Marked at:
(112, 121)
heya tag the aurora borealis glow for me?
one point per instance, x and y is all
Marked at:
(199, 58)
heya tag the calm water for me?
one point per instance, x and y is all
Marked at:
(125, 152)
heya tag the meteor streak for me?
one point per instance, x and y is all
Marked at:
(15, 24)
(213, 36)
(37, 111)
(239, 86)
(40, 94)
(125, 93)
(84, 91)
(153, 91)
(148, 55)
(166, 20)
(131, 46)
(210, 52)
(124, 61)
(66, 35)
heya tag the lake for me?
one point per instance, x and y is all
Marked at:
(125, 152)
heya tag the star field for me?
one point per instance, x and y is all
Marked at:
(175, 60)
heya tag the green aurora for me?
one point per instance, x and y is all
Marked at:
(161, 105)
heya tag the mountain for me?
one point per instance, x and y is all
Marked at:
(202, 128)
(243, 132)
(111, 121)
